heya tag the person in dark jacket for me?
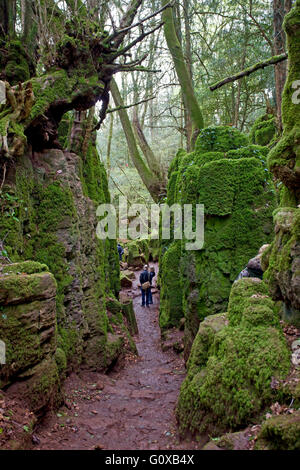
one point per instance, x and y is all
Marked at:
(120, 251)
(253, 269)
(151, 274)
(145, 277)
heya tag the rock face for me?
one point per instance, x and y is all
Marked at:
(230, 178)
(28, 329)
(53, 196)
(282, 261)
(234, 360)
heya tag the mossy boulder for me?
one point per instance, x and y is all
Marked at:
(137, 252)
(125, 281)
(22, 288)
(280, 433)
(233, 361)
(230, 178)
(27, 319)
(264, 130)
(220, 139)
(42, 389)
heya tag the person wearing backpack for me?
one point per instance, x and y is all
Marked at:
(145, 286)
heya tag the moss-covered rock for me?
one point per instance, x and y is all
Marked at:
(283, 159)
(220, 139)
(27, 320)
(280, 433)
(264, 130)
(42, 390)
(170, 295)
(230, 178)
(283, 263)
(54, 204)
(232, 364)
(137, 252)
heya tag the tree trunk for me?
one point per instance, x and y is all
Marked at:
(7, 18)
(280, 8)
(145, 147)
(151, 182)
(110, 134)
(181, 68)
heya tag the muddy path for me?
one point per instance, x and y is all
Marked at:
(128, 409)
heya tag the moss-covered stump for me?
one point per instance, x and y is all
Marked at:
(29, 331)
(264, 130)
(233, 361)
(280, 433)
(230, 178)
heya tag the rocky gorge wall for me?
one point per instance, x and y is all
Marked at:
(229, 176)
(53, 312)
(241, 363)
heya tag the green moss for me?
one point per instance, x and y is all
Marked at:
(232, 364)
(43, 390)
(15, 62)
(68, 341)
(283, 159)
(263, 130)
(22, 345)
(27, 287)
(238, 195)
(281, 275)
(27, 267)
(220, 139)
(171, 298)
(61, 361)
(280, 433)
(240, 297)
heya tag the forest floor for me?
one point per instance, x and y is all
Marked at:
(130, 408)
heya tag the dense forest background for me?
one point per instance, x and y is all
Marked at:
(218, 39)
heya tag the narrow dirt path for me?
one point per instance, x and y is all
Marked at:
(129, 409)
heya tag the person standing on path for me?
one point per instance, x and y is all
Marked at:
(120, 251)
(151, 274)
(145, 286)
